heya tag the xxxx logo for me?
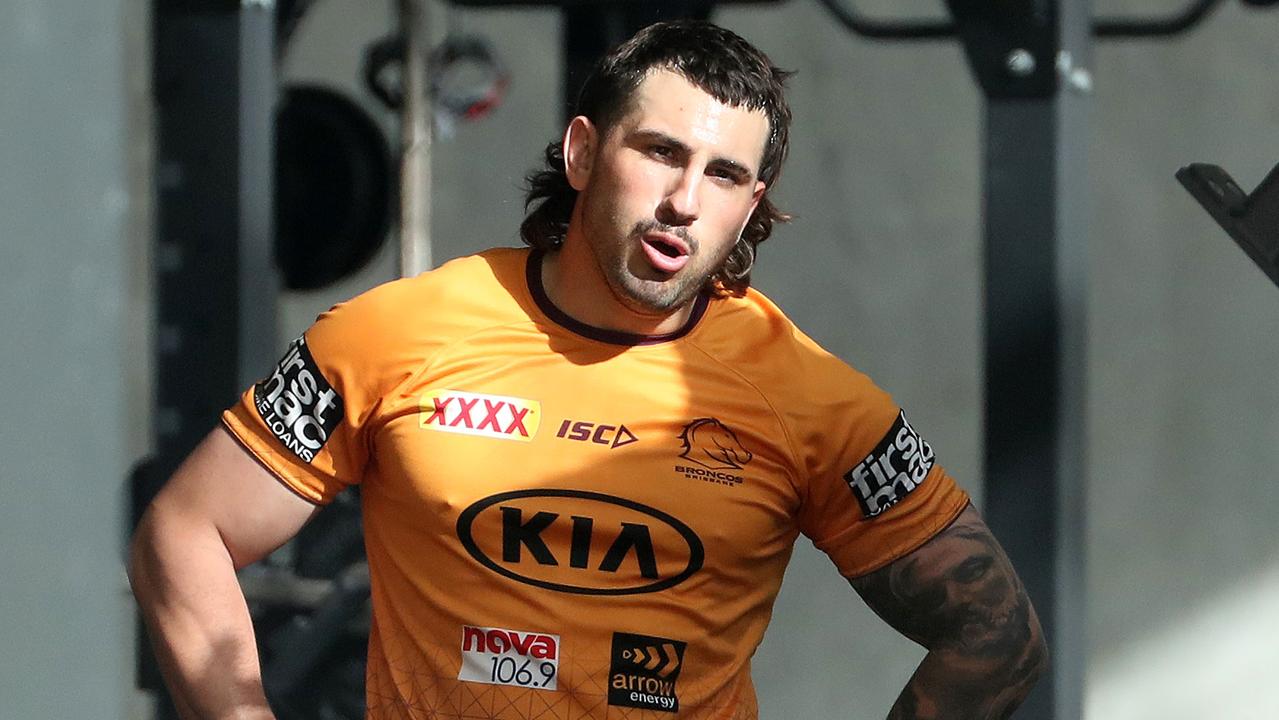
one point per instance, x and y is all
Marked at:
(495, 416)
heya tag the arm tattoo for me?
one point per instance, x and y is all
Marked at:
(959, 597)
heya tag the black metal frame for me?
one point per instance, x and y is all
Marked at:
(1166, 26)
(1251, 220)
(1034, 325)
(214, 88)
(214, 296)
(592, 27)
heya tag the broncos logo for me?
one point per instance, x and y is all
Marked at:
(709, 443)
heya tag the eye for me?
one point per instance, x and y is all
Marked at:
(661, 152)
(723, 176)
(973, 569)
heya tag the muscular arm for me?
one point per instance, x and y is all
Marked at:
(219, 512)
(959, 597)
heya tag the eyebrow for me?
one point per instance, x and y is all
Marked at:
(734, 167)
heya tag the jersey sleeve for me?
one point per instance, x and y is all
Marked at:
(871, 489)
(308, 421)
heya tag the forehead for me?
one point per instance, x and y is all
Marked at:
(666, 102)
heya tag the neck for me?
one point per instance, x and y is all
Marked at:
(575, 284)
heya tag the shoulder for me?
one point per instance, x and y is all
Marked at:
(461, 282)
(828, 409)
(755, 337)
(464, 293)
(387, 332)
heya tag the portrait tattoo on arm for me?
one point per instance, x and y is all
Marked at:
(959, 597)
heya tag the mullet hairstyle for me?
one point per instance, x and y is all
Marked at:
(722, 65)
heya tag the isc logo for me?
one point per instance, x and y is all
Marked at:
(494, 416)
(613, 436)
(579, 542)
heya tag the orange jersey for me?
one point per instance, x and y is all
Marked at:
(565, 522)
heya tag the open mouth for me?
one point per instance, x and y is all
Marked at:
(664, 247)
(665, 252)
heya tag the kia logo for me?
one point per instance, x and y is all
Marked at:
(580, 542)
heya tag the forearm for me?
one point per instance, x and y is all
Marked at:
(958, 596)
(951, 686)
(185, 583)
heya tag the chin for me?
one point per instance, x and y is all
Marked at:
(651, 295)
(644, 288)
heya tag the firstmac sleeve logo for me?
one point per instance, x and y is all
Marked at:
(297, 403)
(897, 465)
(494, 416)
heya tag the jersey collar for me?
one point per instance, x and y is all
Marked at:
(533, 275)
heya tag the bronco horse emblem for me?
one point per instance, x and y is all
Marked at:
(709, 443)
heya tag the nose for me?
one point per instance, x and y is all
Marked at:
(683, 202)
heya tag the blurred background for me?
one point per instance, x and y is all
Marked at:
(145, 205)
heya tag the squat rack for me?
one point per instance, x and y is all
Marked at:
(1030, 59)
(215, 327)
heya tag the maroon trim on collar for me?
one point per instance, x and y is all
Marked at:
(533, 275)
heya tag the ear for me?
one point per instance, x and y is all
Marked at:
(756, 196)
(580, 145)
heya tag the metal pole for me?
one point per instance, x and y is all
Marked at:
(214, 282)
(1030, 58)
(591, 29)
(415, 143)
(1036, 82)
(258, 88)
(1072, 240)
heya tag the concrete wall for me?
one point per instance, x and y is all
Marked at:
(74, 362)
(1184, 403)
(868, 267)
(881, 265)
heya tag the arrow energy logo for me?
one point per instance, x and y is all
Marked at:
(644, 671)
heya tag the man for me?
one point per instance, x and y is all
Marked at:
(584, 465)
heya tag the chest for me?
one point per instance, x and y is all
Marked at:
(607, 478)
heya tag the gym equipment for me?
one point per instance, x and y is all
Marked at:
(215, 86)
(592, 27)
(333, 187)
(1023, 54)
(467, 79)
(1251, 220)
(429, 92)
(415, 143)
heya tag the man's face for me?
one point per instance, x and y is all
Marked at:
(967, 592)
(668, 191)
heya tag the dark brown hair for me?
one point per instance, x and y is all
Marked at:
(715, 60)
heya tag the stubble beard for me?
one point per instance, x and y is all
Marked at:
(657, 293)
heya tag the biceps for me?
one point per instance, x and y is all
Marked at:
(957, 592)
(221, 487)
